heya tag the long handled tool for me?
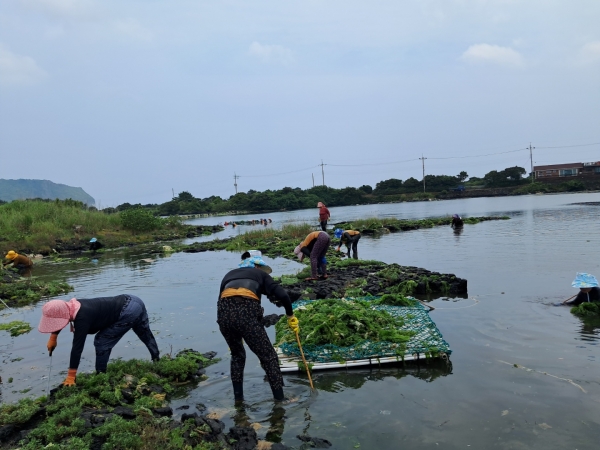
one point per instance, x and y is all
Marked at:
(5, 304)
(569, 299)
(304, 361)
(49, 373)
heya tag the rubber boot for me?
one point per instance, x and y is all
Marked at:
(238, 391)
(278, 394)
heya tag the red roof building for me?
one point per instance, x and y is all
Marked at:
(567, 170)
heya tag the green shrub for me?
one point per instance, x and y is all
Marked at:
(139, 220)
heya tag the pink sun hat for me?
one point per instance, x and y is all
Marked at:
(56, 314)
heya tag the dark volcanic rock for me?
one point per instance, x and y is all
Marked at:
(164, 411)
(245, 438)
(271, 319)
(6, 432)
(124, 412)
(382, 279)
(315, 442)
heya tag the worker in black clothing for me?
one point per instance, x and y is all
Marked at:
(457, 221)
(239, 316)
(95, 245)
(350, 238)
(588, 289)
(109, 318)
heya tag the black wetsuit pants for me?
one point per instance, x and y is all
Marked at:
(240, 318)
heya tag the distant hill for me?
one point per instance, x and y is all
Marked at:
(21, 189)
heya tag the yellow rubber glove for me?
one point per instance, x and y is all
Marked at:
(51, 345)
(70, 380)
(293, 324)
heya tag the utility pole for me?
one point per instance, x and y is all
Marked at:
(323, 171)
(313, 176)
(173, 191)
(531, 161)
(235, 178)
(422, 158)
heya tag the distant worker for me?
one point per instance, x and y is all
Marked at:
(239, 316)
(270, 221)
(315, 247)
(95, 245)
(457, 221)
(350, 238)
(109, 318)
(588, 289)
(323, 215)
(18, 261)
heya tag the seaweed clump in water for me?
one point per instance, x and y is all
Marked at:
(343, 323)
(587, 309)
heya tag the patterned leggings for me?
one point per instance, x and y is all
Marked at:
(318, 253)
(240, 318)
(133, 317)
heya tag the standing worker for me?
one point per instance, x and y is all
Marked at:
(239, 316)
(18, 261)
(350, 238)
(588, 289)
(109, 318)
(457, 221)
(323, 215)
(315, 246)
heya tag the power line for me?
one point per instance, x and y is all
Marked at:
(374, 164)
(571, 146)
(277, 174)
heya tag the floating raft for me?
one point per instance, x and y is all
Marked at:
(427, 342)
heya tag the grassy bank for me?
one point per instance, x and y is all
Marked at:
(36, 226)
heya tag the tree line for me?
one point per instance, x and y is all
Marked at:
(295, 198)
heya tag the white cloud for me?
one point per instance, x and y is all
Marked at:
(271, 53)
(17, 69)
(132, 28)
(64, 9)
(590, 53)
(493, 54)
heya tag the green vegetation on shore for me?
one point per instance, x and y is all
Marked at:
(16, 291)
(37, 226)
(119, 409)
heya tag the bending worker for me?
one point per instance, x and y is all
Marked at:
(239, 316)
(315, 246)
(323, 215)
(350, 238)
(18, 261)
(457, 221)
(109, 318)
(588, 289)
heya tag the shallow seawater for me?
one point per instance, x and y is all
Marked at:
(524, 372)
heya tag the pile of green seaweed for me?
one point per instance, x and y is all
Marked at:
(343, 323)
(587, 310)
(124, 408)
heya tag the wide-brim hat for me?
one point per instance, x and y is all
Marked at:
(11, 255)
(92, 240)
(256, 262)
(55, 316)
(584, 280)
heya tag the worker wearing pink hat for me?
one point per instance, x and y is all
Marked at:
(109, 318)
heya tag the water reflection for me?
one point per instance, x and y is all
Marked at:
(339, 381)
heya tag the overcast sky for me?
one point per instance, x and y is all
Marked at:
(133, 99)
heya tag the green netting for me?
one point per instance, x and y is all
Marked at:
(426, 339)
